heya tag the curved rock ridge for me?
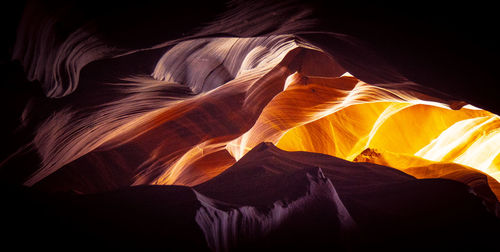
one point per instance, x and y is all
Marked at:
(205, 64)
(227, 228)
(389, 207)
(235, 104)
(145, 109)
(269, 199)
(243, 104)
(57, 39)
(55, 57)
(181, 108)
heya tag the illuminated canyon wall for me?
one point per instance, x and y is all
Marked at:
(184, 110)
(211, 99)
(244, 91)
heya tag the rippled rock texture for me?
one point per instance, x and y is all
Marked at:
(252, 128)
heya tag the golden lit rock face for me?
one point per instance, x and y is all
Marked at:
(423, 140)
